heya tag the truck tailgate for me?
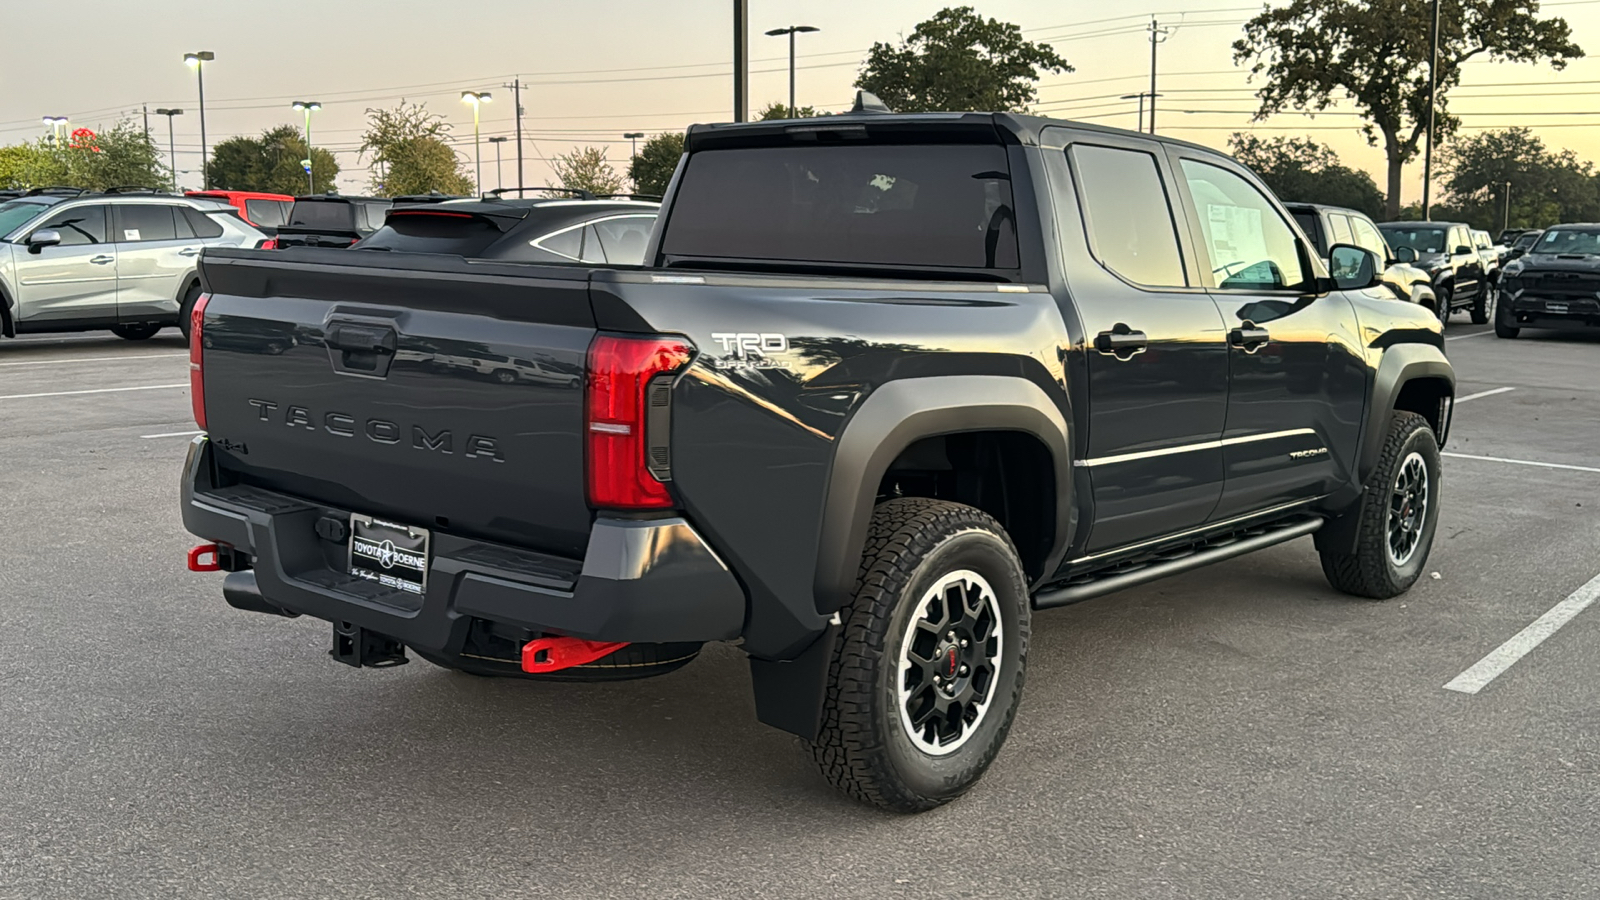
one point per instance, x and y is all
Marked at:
(447, 395)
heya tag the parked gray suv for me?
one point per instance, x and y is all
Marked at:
(121, 261)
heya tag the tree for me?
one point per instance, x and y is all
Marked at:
(1376, 54)
(1300, 169)
(1546, 187)
(120, 156)
(586, 169)
(781, 111)
(411, 154)
(959, 61)
(651, 171)
(270, 163)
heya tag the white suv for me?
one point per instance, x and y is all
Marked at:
(73, 261)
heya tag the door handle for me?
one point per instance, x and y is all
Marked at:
(102, 259)
(1250, 337)
(189, 251)
(1122, 342)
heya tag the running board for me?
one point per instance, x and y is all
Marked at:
(1205, 556)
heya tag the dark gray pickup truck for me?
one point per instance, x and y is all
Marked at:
(887, 384)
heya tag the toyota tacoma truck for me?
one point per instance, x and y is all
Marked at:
(886, 385)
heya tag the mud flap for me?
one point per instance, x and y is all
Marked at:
(789, 693)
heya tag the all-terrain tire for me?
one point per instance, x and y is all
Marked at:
(919, 558)
(1504, 324)
(631, 662)
(1480, 306)
(1376, 570)
(1442, 300)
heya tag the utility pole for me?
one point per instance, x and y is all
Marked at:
(741, 60)
(516, 101)
(1433, 87)
(1157, 35)
(146, 108)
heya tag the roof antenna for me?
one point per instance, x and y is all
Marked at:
(867, 102)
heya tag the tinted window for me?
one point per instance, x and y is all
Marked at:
(1527, 240)
(592, 251)
(1425, 239)
(336, 215)
(145, 222)
(79, 225)
(1367, 236)
(375, 213)
(623, 238)
(1340, 226)
(423, 232)
(1129, 222)
(1565, 240)
(568, 243)
(203, 225)
(269, 213)
(1307, 220)
(926, 206)
(16, 213)
(1249, 246)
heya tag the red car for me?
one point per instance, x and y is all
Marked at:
(265, 211)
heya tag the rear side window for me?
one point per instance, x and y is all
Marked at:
(145, 222)
(1248, 245)
(929, 206)
(430, 232)
(1129, 220)
(335, 215)
(268, 213)
(568, 243)
(592, 251)
(203, 225)
(624, 238)
(79, 225)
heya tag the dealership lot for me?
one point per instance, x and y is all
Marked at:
(1240, 731)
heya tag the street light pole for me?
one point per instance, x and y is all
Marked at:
(516, 101)
(634, 136)
(477, 99)
(172, 145)
(308, 107)
(1140, 97)
(1505, 225)
(57, 125)
(499, 176)
(1433, 87)
(791, 31)
(199, 60)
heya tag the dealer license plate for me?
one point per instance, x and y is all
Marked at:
(1556, 307)
(395, 556)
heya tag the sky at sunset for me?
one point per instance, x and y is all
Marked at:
(596, 69)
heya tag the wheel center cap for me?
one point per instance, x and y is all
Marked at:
(949, 661)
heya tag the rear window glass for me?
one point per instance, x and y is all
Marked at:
(433, 233)
(939, 206)
(1422, 240)
(270, 213)
(322, 214)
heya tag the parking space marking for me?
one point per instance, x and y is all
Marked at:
(1462, 337)
(1498, 390)
(143, 387)
(171, 434)
(1504, 656)
(1521, 462)
(85, 359)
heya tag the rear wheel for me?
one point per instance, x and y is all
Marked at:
(1442, 305)
(186, 307)
(1480, 306)
(140, 332)
(632, 661)
(1396, 519)
(928, 670)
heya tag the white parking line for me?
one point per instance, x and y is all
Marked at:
(146, 387)
(1522, 462)
(85, 359)
(1498, 390)
(1504, 656)
(172, 434)
(1462, 337)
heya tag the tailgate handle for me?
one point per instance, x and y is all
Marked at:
(361, 349)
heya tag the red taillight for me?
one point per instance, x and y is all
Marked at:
(197, 383)
(268, 244)
(618, 432)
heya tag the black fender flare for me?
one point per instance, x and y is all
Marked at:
(902, 412)
(1401, 364)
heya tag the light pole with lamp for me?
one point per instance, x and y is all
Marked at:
(172, 146)
(477, 99)
(633, 136)
(57, 125)
(499, 176)
(198, 60)
(308, 107)
(791, 31)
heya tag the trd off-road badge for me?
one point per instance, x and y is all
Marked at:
(749, 350)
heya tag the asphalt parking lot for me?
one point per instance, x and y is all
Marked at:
(1243, 731)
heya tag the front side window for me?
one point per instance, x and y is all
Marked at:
(1129, 220)
(16, 213)
(79, 225)
(145, 222)
(1249, 247)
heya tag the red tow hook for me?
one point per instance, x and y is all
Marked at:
(552, 654)
(196, 554)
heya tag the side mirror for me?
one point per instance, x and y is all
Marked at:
(1352, 267)
(42, 239)
(1464, 250)
(1405, 255)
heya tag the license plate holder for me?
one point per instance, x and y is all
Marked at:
(1556, 307)
(388, 554)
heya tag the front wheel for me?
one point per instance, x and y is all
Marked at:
(1504, 325)
(1442, 305)
(928, 670)
(1480, 306)
(1396, 519)
(140, 332)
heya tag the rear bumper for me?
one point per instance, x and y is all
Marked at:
(650, 580)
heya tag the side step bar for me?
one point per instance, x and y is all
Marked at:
(1205, 556)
